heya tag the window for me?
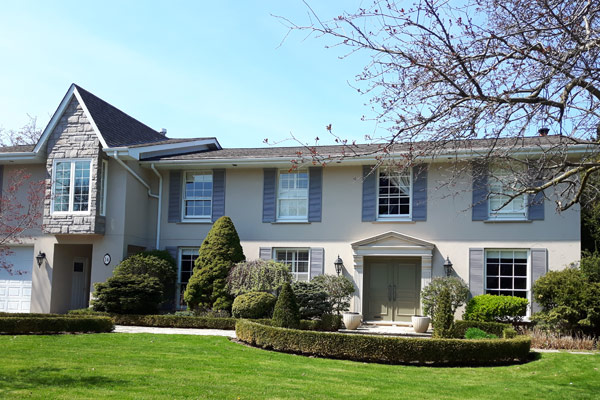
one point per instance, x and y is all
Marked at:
(71, 186)
(500, 193)
(102, 192)
(394, 193)
(297, 259)
(292, 196)
(187, 257)
(506, 272)
(197, 195)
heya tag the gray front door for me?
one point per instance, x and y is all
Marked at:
(392, 289)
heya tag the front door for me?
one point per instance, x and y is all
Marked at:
(393, 287)
(80, 284)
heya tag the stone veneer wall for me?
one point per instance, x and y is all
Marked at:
(73, 138)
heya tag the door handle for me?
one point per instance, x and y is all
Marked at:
(389, 292)
(394, 293)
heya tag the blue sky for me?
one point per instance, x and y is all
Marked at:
(195, 68)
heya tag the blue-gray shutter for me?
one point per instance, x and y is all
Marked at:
(369, 194)
(265, 253)
(269, 195)
(476, 271)
(536, 206)
(175, 196)
(315, 193)
(317, 259)
(480, 192)
(172, 250)
(419, 208)
(218, 199)
(1, 178)
(539, 267)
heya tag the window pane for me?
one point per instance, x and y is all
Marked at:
(506, 273)
(394, 193)
(292, 196)
(62, 186)
(198, 194)
(297, 260)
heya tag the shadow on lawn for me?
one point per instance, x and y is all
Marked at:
(40, 377)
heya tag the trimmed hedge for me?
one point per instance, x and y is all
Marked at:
(489, 308)
(54, 324)
(388, 350)
(494, 328)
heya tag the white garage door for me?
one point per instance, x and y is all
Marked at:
(15, 290)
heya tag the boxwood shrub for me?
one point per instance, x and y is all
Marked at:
(54, 324)
(493, 328)
(487, 307)
(253, 305)
(380, 349)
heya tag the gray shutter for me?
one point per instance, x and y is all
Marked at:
(315, 193)
(539, 267)
(419, 208)
(269, 195)
(175, 196)
(1, 179)
(218, 203)
(317, 258)
(536, 206)
(173, 252)
(480, 192)
(265, 253)
(476, 271)
(369, 195)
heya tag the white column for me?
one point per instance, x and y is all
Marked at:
(426, 273)
(358, 281)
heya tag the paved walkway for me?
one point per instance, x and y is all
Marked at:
(174, 331)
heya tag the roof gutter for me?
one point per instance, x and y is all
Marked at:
(136, 176)
(158, 216)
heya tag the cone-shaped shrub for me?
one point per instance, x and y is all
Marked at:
(287, 313)
(443, 319)
(221, 249)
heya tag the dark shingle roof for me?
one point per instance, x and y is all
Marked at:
(117, 128)
(365, 149)
(17, 149)
(171, 141)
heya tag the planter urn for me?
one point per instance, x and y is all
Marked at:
(352, 320)
(420, 323)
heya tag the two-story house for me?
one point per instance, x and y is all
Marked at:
(114, 187)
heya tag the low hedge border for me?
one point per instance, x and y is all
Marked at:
(495, 328)
(387, 350)
(24, 324)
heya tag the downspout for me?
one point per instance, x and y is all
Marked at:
(132, 172)
(159, 212)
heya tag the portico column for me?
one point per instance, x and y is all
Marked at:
(358, 280)
(426, 273)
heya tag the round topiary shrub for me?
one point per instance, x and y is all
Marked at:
(153, 266)
(490, 308)
(287, 313)
(128, 294)
(253, 305)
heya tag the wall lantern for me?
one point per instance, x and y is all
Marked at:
(338, 265)
(448, 266)
(40, 258)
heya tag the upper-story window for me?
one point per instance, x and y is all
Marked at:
(502, 188)
(71, 186)
(394, 193)
(292, 195)
(197, 196)
(102, 188)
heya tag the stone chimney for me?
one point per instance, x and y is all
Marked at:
(543, 131)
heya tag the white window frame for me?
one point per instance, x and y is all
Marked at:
(103, 187)
(396, 217)
(528, 289)
(70, 211)
(302, 218)
(296, 250)
(180, 252)
(202, 218)
(507, 211)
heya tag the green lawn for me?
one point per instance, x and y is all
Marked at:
(128, 366)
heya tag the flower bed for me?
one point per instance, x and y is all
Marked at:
(388, 350)
(53, 323)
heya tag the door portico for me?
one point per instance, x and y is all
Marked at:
(386, 246)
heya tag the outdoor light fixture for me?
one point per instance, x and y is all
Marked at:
(40, 258)
(338, 265)
(448, 266)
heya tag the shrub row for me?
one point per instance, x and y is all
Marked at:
(54, 324)
(389, 350)
(493, 328)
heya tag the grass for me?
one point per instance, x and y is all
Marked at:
(133, 366)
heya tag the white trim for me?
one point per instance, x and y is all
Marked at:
(202, 218)
(72, 162)
(150, 150)
(104, 186)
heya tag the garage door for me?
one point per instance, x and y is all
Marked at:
(15, 290)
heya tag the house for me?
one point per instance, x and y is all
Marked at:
(115, 187)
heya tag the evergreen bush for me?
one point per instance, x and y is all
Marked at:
(476, 333)
(253, 305)
(258, 276)
(312, 300)
(490, 308)
(339, 290)
(152, 266)
(286, 314)
(220, 251)
(128, 294)
(459, 293)
(443, 320)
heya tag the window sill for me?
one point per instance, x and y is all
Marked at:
(196, 221)
(395, 221)
(290, 222)
(66, 213)
(509, 220)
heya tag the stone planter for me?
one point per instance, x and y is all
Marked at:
(352, 320)
(420, 323)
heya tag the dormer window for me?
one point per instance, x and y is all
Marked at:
(71, 186)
